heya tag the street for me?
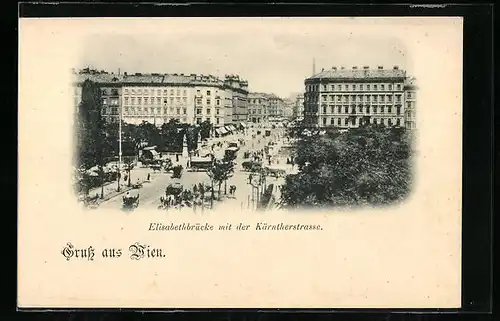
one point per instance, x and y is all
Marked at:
(243, 197)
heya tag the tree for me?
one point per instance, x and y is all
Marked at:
(218, 173)
(171, 139)
(205, 129)
(92, 144)
(148, 133)
(228, 168)
(128, 164)
(367, 165)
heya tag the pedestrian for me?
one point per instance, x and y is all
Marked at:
(149, 176)
(177, 157)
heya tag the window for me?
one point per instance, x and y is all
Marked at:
(171, 100)
(398, 86)
(360, 109)
(158, 100)
(184, 92)
(165, 110)
(145, 100)
(324, 121)
(208, 92)
(217, 121)
(332, 109)
(126, 100)
(133, 100)
(382, 87)
(198, 121)
(382, 109)
(390, 87)
(146, 110)
(374, 98)
(346, 121)
(208, 111)
(324, 109)
(158, 110)
(165, 92)
(389, 109)
(346, 109)
(375, 109)
(354, 87)
(184, 99)
(217, 102)
(368, 87)
(198, 111)
(184, 111)
(338, 98)
(139, 91)
(346, 87)
(367, 109)
(338, 121)
(104, 101)
(389, 122)
(398, 98)
(178, 92)
(139, 100)
(339, 109)
(389, 98)
(171, 92)
(217, 111)
(374, 87)
(208, 101)
(398, 122)
(178, 111)
(126, 91)
(398, 110)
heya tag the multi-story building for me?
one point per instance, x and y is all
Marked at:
(158, 98)
(288, 106)
(351, 97)
(410, 103)
(275, 106)
(298, 109)
(239, 91)
(258, 104)
(110, 85)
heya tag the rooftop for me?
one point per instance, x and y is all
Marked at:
(355, 73)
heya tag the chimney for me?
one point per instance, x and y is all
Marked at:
(395, 67)
(125, 73)
(380, 67)
(366, 67)
(322, 69)
(118, 71)
(342, 67)
(354, 68)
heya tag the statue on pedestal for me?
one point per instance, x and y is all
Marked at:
(184, 147)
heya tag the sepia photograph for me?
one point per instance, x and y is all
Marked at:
(182, 162)
(310, 126)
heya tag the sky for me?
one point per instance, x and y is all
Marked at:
(274, 55)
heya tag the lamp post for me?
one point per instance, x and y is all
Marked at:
(119, 147)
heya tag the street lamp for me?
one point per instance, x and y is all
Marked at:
(119, 147)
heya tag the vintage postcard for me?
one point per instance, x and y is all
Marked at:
(240, 162)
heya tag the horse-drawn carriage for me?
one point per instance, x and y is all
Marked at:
(275, 172)
(131, 200)
(173, 193)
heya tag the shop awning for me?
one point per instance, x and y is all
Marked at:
(243, 125)
(218, 131)
(227, 128)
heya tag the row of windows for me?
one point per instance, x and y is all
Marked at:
(361, 109)
(111, 101)
(361, 98)
(112, 92)
(256, 111)
(355, 87)
(199, 111)
(360, 121)
(199, 120)
(199, 101)
(146, 92)
(155, 111)
(151, 100)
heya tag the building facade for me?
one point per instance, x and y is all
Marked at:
(349, 98)
(410, 103)
(258, 105)
(239, 93)
(298, 109)
(158, 98)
